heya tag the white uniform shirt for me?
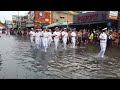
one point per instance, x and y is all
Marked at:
(40, 33)
(50, 34)
(45, 34)
(32, 33)
(64, 34)
(37, 35)
(56, 34)
(103, 36)
(73, 34)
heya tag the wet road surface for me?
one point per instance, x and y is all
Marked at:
(19, 61)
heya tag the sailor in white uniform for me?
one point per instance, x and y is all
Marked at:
(50, 37)
(64, 37)
(40, 39)
(73, 38)
(45, 39)
(56, 36)
(32, 36)
(37, 39)
(103, 43)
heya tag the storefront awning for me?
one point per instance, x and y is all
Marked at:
(56, 24)
(88, 23)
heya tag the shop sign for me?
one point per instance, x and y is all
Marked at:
(90, 17)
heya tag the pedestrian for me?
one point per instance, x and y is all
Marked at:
(69, 38)
(109, 40)
(73, 38)
(103, 43)
(56, 36)
(114, 35)
(40, 38)
(45, 39)
(64, 37)
(49, 37)
(85, 37)
(91, 37)
(79, 37)
(32, 37)
(37, 38)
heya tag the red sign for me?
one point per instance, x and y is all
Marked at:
(91, 16)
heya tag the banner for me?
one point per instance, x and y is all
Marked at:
(41, 14)
(113, 15)
(31, 15)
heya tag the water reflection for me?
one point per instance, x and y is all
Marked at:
(18, 60)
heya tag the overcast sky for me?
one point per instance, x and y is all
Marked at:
(8, 14)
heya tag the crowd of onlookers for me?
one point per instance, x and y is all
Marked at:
(86, 37)
(92, 37)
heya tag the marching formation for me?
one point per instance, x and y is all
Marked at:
(43, 38)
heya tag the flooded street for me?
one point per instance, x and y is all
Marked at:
(19, 61)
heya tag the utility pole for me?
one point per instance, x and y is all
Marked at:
(5, 24)
(18, 20)
(67, 19)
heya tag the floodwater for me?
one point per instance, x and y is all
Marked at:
(20, 61)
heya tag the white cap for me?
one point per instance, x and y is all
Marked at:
(104, 29)
(56, 27)
(49, 30)
(65, 28)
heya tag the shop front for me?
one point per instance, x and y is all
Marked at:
(95, 20)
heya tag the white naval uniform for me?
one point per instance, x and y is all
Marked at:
(56, 39)
(40, 39)
(45, 40)
(64, 38)
(73, 39)
(103, 44)
(49, 38)
(37, 39)
(32, 34)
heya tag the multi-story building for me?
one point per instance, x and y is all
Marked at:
(39, 18)
(44, 18)
(16, 21)
(67, 16)
(96, 20)
(9, 24)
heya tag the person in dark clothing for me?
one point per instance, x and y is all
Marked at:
(79, 37)
(69, 38)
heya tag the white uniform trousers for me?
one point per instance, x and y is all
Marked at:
(32, 41)
(56, 41)
(45, 43)
(49, 41)
(37, 40)
(73, 42)
(103, 49)
(64, 42)
(40, 42)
